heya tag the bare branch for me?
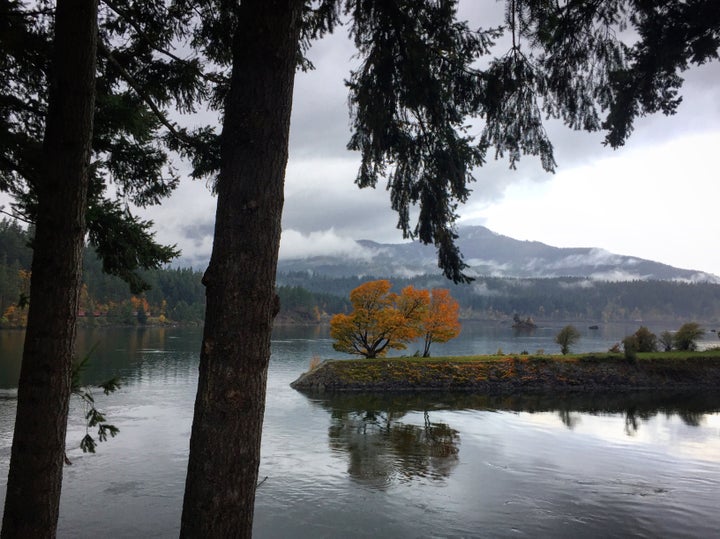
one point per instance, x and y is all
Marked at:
(16, 216)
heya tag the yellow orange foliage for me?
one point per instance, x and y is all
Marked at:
(380, 320)
(383, 321)
(15, 317)
(441, 322)
(140, 304)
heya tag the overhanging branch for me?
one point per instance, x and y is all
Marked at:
(143, 95)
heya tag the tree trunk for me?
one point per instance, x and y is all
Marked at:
(428, 342)
(240, 280)
(38, 449)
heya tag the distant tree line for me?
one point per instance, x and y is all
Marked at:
(565, 298)
(176, 295)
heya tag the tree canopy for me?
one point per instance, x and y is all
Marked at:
(382, 321)
(440, 324)
(138, 80)
(687, 336)
(566, 337)
(594, 65)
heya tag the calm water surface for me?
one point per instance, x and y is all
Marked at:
(391, 466)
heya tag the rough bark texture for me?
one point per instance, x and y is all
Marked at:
(38, 449)
(240, 280)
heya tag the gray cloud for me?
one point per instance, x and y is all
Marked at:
(321, 196)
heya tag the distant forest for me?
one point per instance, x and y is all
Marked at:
(175, 296)
(570, 298)
(178, 296)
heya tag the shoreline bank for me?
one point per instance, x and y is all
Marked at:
(494, 375)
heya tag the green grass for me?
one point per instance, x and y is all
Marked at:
(513, 372)
(597, 356)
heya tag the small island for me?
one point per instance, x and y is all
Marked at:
(525, 325)
(514, 374)
(382, 321)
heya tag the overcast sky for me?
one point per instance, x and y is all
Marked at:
(656, 198)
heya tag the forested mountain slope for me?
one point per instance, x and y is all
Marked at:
(491, 254)
(178, 296)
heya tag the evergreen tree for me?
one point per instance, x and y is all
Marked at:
(61, 184)
(417, 84)
(58, 170)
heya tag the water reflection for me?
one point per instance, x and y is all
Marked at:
(378, 414)
(135, 355)
(383, 450)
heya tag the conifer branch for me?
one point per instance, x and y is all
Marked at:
(16, 216)
(142, 94)
(119, 12)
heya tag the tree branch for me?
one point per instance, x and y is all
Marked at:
(16, 216)
(145, 97)
(144, 35)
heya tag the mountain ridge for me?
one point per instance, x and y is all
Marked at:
(488, 253)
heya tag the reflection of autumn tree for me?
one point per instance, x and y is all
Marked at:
(568, 418)
(633, 417)
(382, 450)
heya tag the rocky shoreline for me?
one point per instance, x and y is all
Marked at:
(515, 374)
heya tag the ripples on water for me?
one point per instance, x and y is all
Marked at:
(393, 466)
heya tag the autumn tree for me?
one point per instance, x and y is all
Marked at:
(418, 82)
(380, 321)
(440, 323)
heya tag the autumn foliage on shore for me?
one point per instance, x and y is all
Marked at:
(382, 320)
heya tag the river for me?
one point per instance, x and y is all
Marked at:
(429, 465)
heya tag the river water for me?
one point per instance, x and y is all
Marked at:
(430, 465)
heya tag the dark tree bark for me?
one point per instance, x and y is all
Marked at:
(240, 280)
(38, 449)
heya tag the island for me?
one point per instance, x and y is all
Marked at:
(525, 325)
(514, 374)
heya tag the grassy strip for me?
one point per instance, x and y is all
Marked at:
(512, 373)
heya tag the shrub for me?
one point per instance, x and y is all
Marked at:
(567, 336)
(646, 341)
(687, 336)
(666, 341)
(630, 347)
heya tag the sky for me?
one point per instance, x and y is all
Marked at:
(655, 198)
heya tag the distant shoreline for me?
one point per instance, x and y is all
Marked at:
(494, 375)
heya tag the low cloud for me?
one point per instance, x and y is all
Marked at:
(618, 275)
(583, 284)
(481, 289)
(700, 277)
(594, 257)
(294, 245)
(492, 268)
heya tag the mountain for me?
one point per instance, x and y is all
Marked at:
(491, 254)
